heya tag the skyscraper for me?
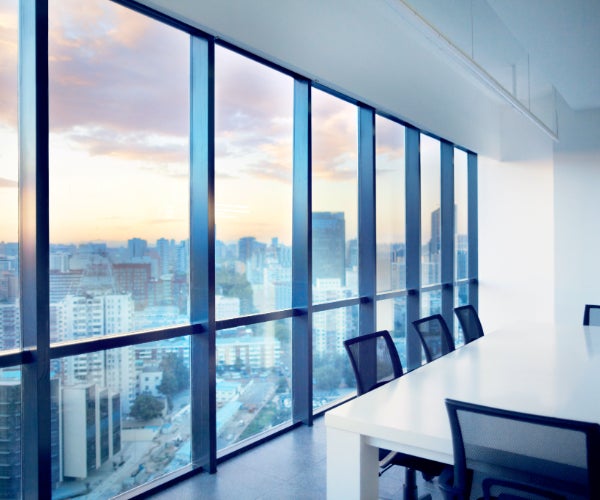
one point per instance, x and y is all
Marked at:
(329, 246)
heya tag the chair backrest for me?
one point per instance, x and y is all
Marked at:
(435, 336)
(374, 359)
(591, 315)
(469, 322)
(544, 451)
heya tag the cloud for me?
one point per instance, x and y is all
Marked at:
(9, 19)
(8, 183)
(114, 68)
(334, 138)
(169, 154)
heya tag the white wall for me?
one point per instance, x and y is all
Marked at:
(577, 208)
(516, 229)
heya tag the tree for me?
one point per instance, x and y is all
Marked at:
(175, 376)
(146, 406)
(233, 284)
(326, 373)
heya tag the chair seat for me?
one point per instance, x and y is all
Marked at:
(427, 467)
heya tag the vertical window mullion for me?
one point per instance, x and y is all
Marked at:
(202, 255)
(34, 246)
(473, 238)
(447, 215)
(413, 244)
(302, 256)
(367, 272)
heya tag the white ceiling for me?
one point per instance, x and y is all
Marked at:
(563, 40)
(366, 50)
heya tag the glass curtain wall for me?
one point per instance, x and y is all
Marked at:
(390, 179)
(10, 310)
(133, 395)
(119, 243)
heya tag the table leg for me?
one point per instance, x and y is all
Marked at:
(352, 467)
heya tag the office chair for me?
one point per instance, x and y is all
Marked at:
(435, 336)
(375, 362)
(469, 322)
(591, 315)
(528, 456)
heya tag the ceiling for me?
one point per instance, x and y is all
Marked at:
(563, 40)
(367, 50)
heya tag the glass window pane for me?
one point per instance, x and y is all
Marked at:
(119, 171)
(431, 303)
(391, 316)
(10, 313)
(10, 434)
(253, 190)
(254, 380)
(391, 205)
(334, 197)
(431, 221)
(125, 417)
(462, 215)
(333, 377)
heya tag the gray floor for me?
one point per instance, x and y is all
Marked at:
(291, 466)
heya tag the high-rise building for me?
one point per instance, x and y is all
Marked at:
(329, 246)
(90, 422)
(136, 248)
(10, 325)
(133, 278)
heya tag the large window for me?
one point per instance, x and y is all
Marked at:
(391, 205)
(335, 198)
(201, 247)
(119, 171)
(253, 168)
(10, 317)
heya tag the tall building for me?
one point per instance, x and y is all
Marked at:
(10, 438)
(136, 248)
(10, 325)
(133, 278)
(329, 246)
(91, 426)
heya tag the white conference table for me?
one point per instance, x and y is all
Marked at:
(541, 369)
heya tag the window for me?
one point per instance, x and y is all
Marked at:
(116, 435)
(253, 169)
(335, 198)
(431, 220)
(10, 312)
(332, 373)
(119, 171)
(134, 148)
(391, 205)
(254, 380)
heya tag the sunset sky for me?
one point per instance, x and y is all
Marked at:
(119, 143)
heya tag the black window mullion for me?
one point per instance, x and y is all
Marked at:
(34, 247)
(413, 244)
(302, 257)
(447, 216)
(202, 256)
(473, 236)
(367, 267)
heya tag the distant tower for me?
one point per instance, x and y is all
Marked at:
(136, 248)
(329, 246)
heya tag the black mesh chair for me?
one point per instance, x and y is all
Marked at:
(591, 315)
(522, 455)
(375, 362)
(469, 322)
(435, 336)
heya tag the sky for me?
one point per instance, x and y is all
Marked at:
(119, 135)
